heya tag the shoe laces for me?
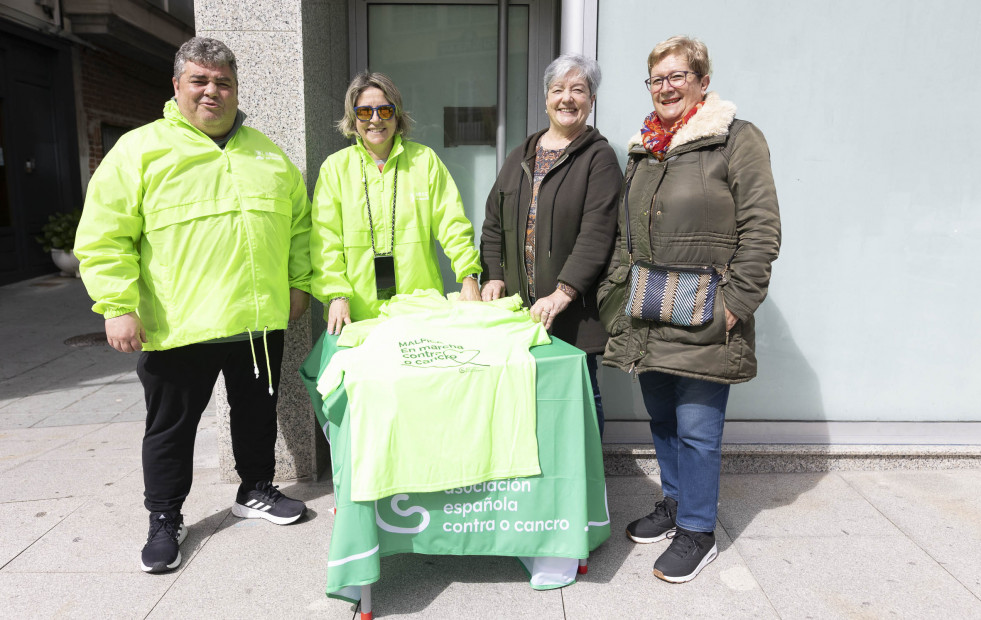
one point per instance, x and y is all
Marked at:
(269, 491)
(682, 543)
(660, 510)
(169, 526)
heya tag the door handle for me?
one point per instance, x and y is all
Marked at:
(30, 165)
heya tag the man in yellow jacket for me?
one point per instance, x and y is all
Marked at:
(194, 244)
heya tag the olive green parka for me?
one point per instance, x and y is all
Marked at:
(711, 202)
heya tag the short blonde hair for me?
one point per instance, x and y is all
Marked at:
(362, 82)
(689, 48)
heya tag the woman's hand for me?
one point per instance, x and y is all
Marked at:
(493, 289)
(470, 290)
(730, 320)
(546, 308)
(338, 315)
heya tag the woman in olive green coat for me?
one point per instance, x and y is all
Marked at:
(699, 192)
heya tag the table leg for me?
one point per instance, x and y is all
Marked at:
(582, 567)
(366, 613)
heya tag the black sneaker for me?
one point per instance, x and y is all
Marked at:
(266, 502)
(688, 554)
(655, 526)
(162, 552)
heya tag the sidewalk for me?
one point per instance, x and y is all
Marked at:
(847, 544)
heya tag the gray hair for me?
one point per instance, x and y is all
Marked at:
(582, 66)
(206, 52)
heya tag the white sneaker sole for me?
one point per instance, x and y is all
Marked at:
(711, 555)
(181, 535)
(645, 541)
(244, 512)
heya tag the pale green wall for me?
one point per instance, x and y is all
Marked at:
(869, 110)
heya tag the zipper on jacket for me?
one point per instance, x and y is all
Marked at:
(650, 221)
(500, 211)
(248, 237)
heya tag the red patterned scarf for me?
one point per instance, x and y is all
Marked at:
(656, 138)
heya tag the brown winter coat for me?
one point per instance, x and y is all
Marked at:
(575, 227)
(711, 201)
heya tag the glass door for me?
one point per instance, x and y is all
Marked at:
(443, 58)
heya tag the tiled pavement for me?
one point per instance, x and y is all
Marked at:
(847, 544)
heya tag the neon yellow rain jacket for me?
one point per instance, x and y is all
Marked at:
(202, 242)
(428, 209)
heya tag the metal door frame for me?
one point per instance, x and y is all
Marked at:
(542, 44)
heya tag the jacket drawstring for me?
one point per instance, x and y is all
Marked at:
(551, 213)
(255, 364)
(265, 351)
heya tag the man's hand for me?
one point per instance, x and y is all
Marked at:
(125, 333)
(470, 290)
(493, 289)
(338, 315)
(299, 302)
(546, 308)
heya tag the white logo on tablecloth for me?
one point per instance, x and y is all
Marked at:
(401, 497)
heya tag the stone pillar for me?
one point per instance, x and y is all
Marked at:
(293, 71)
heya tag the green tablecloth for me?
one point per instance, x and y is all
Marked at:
(562, 513)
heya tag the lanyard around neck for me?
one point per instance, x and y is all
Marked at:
(367, 201)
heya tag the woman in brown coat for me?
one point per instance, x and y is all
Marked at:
(550, 220)
(698, 193)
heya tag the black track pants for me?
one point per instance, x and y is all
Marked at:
(178, 385)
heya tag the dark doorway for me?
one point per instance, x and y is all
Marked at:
(39, 146)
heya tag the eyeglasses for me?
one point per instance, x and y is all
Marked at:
(365, 112)
(677, 79)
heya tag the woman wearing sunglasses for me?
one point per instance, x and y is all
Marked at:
(551, 215)
(699, 217)
(379, 208)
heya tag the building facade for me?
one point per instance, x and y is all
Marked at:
(866, 336)
(861, 339)
(76, 74)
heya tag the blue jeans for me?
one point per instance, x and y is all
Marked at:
(686, 423)
(591, 367)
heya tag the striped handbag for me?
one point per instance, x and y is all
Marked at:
(677, 295)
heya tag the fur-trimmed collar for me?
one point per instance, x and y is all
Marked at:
(712, 120)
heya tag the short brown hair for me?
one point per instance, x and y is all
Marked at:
(689, 48)
(362, 82)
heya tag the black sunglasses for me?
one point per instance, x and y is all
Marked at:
(365, 112)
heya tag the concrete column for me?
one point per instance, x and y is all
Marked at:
(293, 71)
(579, 27)
(578, 36)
